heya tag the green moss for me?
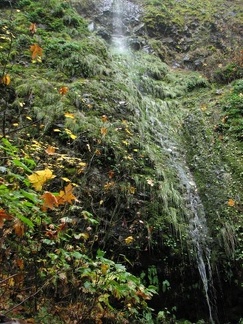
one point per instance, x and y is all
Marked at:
(228, 73)
(155, 117)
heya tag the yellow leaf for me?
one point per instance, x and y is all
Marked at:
(66, 179)
(203, 107)
(73, 136)
(129, 240)
(104, 268)
(82, 166)
(128, 131)
(109, 185)
(70, 134)
(50, 150)
(49, 201)
(36, 51)
(38, 178)
(69, 115)
(103, 131)
(5, 79)
(125, 142)
(83, 236)
(224, 119)
(33, 28)
(132, 190)
(66, 195)
(63, 90)
(231, 202)
(104, 118)
(11, 282)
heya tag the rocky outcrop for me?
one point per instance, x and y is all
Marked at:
(102, 16)
(196, 39)
(193, 40)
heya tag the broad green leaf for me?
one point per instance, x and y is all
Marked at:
(77, 255)
(26, 221)
(31, 196)
(20, 164)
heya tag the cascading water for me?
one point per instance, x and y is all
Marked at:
(124, 15)
(199, 234)
(153, 113)
(194, 208)
(118, 37)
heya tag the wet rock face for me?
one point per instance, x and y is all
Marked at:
(203, 32)
(105, 13)
(110, 11)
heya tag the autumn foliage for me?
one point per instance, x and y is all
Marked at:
(38, 178)
(33, 28)
(36, 52)
(5, 79)
(4, 216)
(51, 201)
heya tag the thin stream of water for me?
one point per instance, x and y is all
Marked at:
(118, 37)
(196, 216)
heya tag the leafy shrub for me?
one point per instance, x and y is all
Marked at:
(228, 73)
(60, 246)
(232, 119)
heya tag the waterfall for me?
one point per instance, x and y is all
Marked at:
(152, 113)
(197, 225)
(200, 237)
(119, 42)
(124, 15)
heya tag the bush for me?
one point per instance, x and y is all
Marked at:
(232, 119)
(228, 73)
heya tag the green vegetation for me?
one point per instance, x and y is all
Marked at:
(197, 35)
(93, 213)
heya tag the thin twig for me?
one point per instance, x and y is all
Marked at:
(23, 301)
(14, 275)
(20, 128)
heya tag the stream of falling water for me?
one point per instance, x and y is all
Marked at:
(118, 37)
(163, 135)
(198, 230)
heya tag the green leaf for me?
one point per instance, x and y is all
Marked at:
(20, 164)
(100, 253)
(26, 221)
(8, 147)
(77, 255)
(31, 196)
(31, 163)
(48, 242)
(120, 267)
